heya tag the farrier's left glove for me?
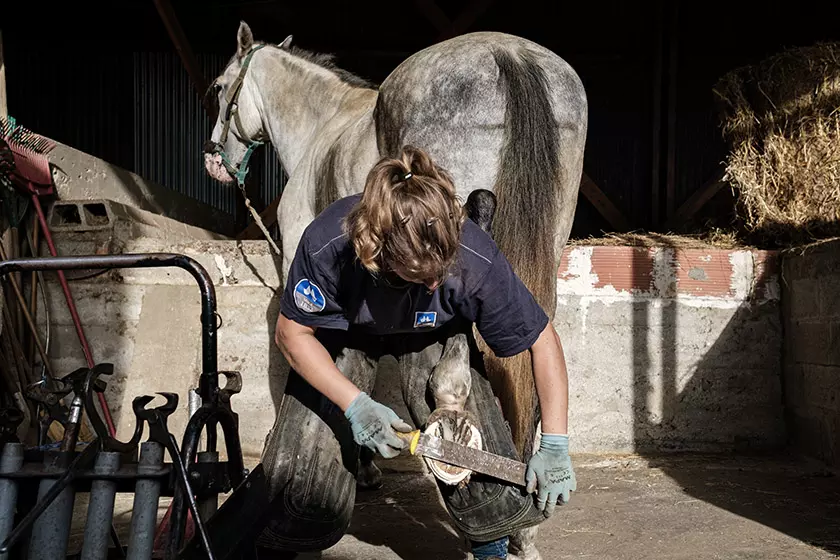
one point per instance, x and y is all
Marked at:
(374, 426)
(550, 471)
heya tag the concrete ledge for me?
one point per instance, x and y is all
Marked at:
(81, 176)
(666, 349)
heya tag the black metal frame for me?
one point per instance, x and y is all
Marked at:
(207, 479)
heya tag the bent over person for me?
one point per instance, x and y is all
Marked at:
(399, 270)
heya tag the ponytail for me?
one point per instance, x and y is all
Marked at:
(409, 216)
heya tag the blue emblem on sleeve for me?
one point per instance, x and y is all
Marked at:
(308, 297)
(425, 319)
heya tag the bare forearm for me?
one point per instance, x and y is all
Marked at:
(551, 381)
(308, 357)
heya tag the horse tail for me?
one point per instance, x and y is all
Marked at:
(528, 187)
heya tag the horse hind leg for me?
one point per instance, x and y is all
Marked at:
(450, 384)
(480, 208)
(450, 380)
(523, 544)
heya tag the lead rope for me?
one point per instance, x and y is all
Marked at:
(257, 219)
(240, 180)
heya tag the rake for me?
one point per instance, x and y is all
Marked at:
(32, 177)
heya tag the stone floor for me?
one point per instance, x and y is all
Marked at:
(625, 508)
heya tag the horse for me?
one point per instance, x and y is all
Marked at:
(499, 112)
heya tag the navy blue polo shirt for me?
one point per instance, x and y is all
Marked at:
(328, 287)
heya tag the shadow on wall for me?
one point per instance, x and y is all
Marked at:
(734, 390)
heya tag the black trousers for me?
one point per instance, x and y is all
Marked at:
(311, 459)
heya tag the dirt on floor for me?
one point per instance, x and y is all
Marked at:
(674, 507)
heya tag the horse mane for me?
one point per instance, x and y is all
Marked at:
(324, 60)
(327, 60)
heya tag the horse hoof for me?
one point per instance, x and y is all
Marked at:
(454, 426)
(369, 477)
(523, 545)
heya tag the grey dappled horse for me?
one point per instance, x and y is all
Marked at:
(497, 111)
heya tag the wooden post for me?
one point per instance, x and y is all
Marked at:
(656, 149)
(182, 45)
(4, 107)
(671, 178)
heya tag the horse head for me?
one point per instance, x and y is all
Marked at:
(239, 128)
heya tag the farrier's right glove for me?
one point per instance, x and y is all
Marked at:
(373, 426)
(550, 472)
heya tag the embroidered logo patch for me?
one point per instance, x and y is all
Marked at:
(308, 297)
(425, 319)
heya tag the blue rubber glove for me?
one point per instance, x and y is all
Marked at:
(551, 469)
(373, 426)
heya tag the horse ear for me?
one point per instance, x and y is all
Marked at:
(244, 39)
(287, 42)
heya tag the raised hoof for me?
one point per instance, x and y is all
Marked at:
(369, 477)
(454, 426)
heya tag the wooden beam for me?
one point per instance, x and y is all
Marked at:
(697, 200)
(4, 107)
(448, 28)
(603, 204)
(182, 45)
(269, 218)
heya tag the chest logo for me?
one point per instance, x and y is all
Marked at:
(308, 297)
(425, 319)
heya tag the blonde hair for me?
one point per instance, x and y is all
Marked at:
(409, 217)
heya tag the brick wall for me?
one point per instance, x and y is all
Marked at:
(810, 287)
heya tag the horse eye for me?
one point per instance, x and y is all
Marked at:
(211, 97)
(213, 90)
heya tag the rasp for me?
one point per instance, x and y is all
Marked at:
(465, 457)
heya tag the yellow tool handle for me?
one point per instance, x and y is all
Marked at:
(412, 438)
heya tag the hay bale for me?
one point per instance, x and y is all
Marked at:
(781, 118)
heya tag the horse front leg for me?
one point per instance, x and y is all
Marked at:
(369, 476)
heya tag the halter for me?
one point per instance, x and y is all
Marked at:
(237, 171)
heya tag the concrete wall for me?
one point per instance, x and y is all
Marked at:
(666, 349)
(812, 349)
(671, 348)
